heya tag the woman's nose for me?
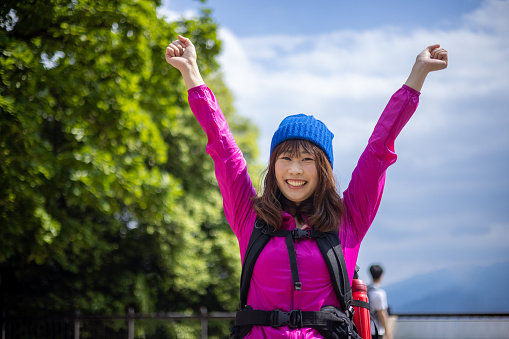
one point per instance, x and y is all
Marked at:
(295, 168)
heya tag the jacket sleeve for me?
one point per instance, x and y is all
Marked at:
(230, 166)
(364, 192)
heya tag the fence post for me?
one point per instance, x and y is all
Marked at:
(130, 326)
(77, 324)
(3, 324)
(204, 324)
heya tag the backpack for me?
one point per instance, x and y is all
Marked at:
(330, 321)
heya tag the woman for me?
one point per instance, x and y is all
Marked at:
(299, 190)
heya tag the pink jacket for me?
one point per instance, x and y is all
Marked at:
(271, 284)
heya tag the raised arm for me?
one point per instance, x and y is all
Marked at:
(230, 166)
(181, 54)
(433, 58)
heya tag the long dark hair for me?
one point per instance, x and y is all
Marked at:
(323, 210)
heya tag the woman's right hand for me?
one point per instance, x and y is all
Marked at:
(181, 54)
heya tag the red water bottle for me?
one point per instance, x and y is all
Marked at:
(361, 315)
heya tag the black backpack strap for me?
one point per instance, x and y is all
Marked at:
(293, 262)
(257, 242)
(289, 236)
(360, 303)
(330, 246)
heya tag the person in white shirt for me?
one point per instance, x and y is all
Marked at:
(378, 304)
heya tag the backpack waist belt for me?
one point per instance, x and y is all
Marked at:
(278, 318)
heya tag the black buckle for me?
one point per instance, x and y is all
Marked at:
(279, 318)
(299, 233)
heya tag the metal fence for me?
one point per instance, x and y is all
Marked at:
(138, 326)
(129, 326)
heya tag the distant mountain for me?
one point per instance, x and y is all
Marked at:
(471, 290)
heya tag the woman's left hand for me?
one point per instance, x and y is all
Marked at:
(433, 58)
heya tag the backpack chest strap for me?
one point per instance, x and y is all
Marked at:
(289, 236)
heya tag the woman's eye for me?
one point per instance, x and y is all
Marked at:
(308, 159)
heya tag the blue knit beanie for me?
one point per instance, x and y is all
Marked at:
(301, 126)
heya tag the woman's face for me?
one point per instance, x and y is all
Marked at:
(296, 175)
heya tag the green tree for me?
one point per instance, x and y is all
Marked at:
(107, 197)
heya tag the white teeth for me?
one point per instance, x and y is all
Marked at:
(295, 183)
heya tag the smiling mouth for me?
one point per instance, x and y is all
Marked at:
(295, 183)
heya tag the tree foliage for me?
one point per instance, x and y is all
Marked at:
(107, 197)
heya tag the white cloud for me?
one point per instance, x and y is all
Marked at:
(273, 76)
(492, 15)
(169, 15)
(434, 245)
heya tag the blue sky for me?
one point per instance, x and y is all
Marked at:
(446, 201)
(256, 18)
